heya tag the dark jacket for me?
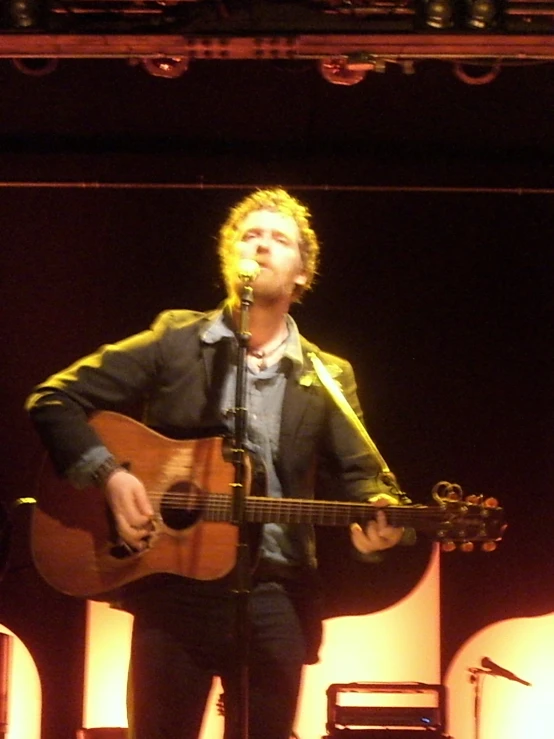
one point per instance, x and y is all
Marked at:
(174, 380)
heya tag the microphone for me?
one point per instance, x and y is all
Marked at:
(248, 270)
(495, 669)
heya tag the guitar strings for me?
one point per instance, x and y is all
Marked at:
(218, 506)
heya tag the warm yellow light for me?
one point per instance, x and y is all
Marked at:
(399, 644)
(509, 710)
(24, 692)
(107, 658)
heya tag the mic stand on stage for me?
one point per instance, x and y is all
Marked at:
(242, 569)
(476, 679)
(488, 667)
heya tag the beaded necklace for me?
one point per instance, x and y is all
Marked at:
(263, 356)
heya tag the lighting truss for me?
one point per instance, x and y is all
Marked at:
(357, 34)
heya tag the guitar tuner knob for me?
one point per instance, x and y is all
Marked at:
(448, 546)
(491, 503)
(488, 546)
(474, 499)
(467, 546)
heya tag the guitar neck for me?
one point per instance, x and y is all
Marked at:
(324, 513)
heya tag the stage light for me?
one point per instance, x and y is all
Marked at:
(480, 78)
(439, 13)
(339, 71)
(24, 13)
(167, 67)
(35, 67)
(481, 13)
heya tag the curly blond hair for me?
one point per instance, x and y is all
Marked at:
(277, 200)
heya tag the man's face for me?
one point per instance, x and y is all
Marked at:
(272, 240)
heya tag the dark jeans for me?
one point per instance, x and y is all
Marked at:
(176, 651)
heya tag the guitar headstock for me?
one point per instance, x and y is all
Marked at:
(467, 520)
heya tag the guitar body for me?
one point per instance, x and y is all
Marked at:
(74, 543)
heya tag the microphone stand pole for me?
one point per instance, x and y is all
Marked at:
(241, 588)
(476, 678)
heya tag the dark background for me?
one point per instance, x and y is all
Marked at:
(433, 203)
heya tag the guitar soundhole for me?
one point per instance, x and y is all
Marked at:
(181, 505)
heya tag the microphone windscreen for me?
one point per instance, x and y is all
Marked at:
(248, 270)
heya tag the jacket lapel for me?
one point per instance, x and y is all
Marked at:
(298, 399)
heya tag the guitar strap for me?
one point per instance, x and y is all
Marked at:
(336, 393)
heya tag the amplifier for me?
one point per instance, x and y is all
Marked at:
(103, 733)
(418, 706)
(385, 734)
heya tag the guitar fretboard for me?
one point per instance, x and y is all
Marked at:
(436, 520)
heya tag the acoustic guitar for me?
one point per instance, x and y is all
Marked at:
(190, 483)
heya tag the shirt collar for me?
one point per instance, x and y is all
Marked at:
(220, 328)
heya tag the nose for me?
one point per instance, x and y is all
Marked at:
(263, 244)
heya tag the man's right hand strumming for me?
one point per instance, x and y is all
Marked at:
(131, 507)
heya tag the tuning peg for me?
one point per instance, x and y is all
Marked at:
(474, 499)
(467, 546)
(447, 491)
(448, 546)
(491, 503)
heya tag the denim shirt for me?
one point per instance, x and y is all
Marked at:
(264, 400)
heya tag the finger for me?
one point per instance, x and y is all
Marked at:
(127, 514)
(381, 533)
(357, 534)
(139, 521)
(364, 540)
(127, 493)
(383, 501)
(134, 535)
(384, 527)
(136, 543)
(143, 505)
(136, 509)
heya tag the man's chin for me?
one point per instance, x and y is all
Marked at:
(265, 293)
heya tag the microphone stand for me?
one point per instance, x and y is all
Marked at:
(477, 676)
(476, 679)
(242, 584)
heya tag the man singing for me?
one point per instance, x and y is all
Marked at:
(182, 374)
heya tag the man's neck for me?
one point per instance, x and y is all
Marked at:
(265, 322)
